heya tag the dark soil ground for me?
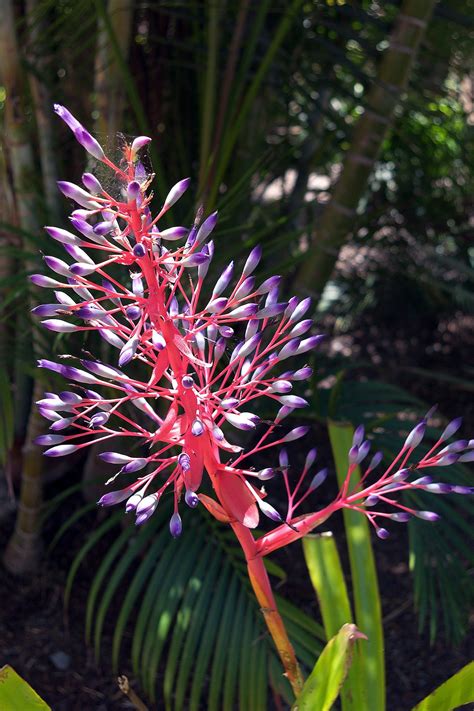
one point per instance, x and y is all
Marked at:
(32, 625)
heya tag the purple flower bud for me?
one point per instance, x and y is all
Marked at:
(283, 458)
(74, 192)
(447, 460)
(353, 454)
(128, 351)
(245, 288)
(54, 324)
(158, 340)
(382, 533)
(57, 265)
(289, 349)
(266, 474)
(301, 374)
(307, 344)
(79, 255)
(195, 260)
(272, 310)
(229, 403)
(457, 446)
(301, 328)
(61, 235)
(456, 489)
(64, 298)
(415, 436)
(115, 458)
(176, 526)
(135, 466)
(250, 345)
(372, 500)
(427, 515)
(147, 506)
(197, 428)
(252, 261)
(173, 233)
(292, 304)
(375, 461)
(61, 450)
(401, 475)
(467, 457)
(133, 190)
(293, 401)
(133, 312)
(82, 268)
(91, 183)
(206, 228)
(268, 510)
(207, 250)
(103, 228)
(363, 451)
(438, 488)
(358, 435)
(226, 331)
(44, 281)
(89, 143)
(98, 420)
(270, 283)
(296, 433)
(239, 420)
(217, 305)
(451, 429)
(114, 497)
(176, 192)
(139, 142)
(244, 311)
(318, 479)
(219, 349)
(139, 251)
(300, 310)
(422, 481)
(47, 440)
(191, 498)
(280, 386)
(133, 502)
(401, 516)
(184, 461)
(223, 281)
(67, 117)
(282, 413)
(46, 310)
(310, 458)
(61, 424)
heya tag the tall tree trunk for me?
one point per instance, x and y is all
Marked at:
(22, 551)
(369, 133)
(108, 78)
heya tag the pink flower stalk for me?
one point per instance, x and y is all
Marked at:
(206, 360)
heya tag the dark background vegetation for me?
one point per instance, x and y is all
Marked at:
(339, 135)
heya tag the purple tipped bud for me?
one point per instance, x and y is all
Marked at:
(268, 510)
(139, 251)
(244, 311)
(252, 261)
(74, 192)
(217, 305)
(82, 268)
(184, 461)
(245, 288)
(176, 526)
(401, 475)
(47, 440)
(195, 260)
(139, 142)
(422, 481)
(301, 374)
(363, 451)
(427, 515)
(240, 420)
(61, 424)
(187, 381)
(128, 351)
(91, 183)
(133, 312)
(456, 489)
(310, 458)
(46, 310)
(158, 340)
(114, 497)
(372, 500)
(289, 349)
(282, 413)
(147, 505)
(301, 328)
(137, 284)
(358, 435)
(438, 488)
(135, 466)
(115, 458)
(61, 451)
(318, 479)
(98, 420)
(376, 459)
(229, 403)
(266, 474)
(293, 401)
(415, 436)
(44, 281)
(382, 533)
(451, 429)
(174, 233)
(57, 265)
(54, 324)
(133, 502)
(280, 386)
(197, 428)
(467, 457)
(300, 310)
(283, 458)
(296, 433)
(307, 344)
(206, 228)
(269, 284)
(272, 310)
(176, 192)
(401, 516)
(223, 281)
(89, 143)
(191, 498)
(447, 460)
(133, 190)
(62, 236)
(66, 116)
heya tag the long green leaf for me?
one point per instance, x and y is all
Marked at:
(457, 691)
(16, 694)
(322, 687)
(367, 605)
(327, 577)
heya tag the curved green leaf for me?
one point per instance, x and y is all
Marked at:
(457, 691)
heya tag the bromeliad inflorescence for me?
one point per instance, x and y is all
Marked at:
(191, 363)
(195, 367)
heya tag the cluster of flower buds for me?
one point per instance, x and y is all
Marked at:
(193, 366)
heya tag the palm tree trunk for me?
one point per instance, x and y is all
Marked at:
(22, 551)
(370, 131)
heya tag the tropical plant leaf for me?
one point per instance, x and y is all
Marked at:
(16, 694)
(457, 691)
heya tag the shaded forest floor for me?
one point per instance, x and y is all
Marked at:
(53, 656)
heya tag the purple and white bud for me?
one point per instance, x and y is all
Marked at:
(64, 298)
(128, 351)
(375, 461)
(467, 457)
(91, 183)
(318, 479)
(187, 381)
(48, 440)
(401, 516)
(197, 428)
(272, 310)
(82, 268)
(451, 429)
(301, 328)
(250, 345)
(176, 192)
(147, 505)
(269, 284)
(438, 488)
(223, 281)
(217, 305)
(281, 386)
(67, 117)
(401, 475)
(133, 190)
(176, 526)
(158, 340)
(195, 260)
(98, 420)
(292, 304)
(415, 436)
(307, 344)
(54, 324)
(226, 331)
(115, 458)
(217, 434)
(114, 497)
(103, 228)
(457, 446)
(363, 451)
(61, 451)
(191, 498)
(252, 261)
(57, 265)
(282, 413)
(139, 251)
(300, 310)
(359, 433)
(382, 533)
(44, 281)
(283, 458)
(456, 489)
(208, 250)
(310, 458)
(135, 466)
(427, 515)
(137, 284)
(229, 403)
(89, 143)
(447, 460)
(74, 192)
(245, 288)
(266, 474)
(268, 510)
(206, 228)
(139, 143)
(133, 312)
(293, 401)
(289, 349)
(173, 233)
(61, 424)
(62, 236)
(296, 433)
(372, 500)
(184, 461)
(240, 420)
(353, 454)
(133, 502)
(301, 374)
(219, 349)
(79, 255)
(422, 481)
(46, 310)
(244, 311)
